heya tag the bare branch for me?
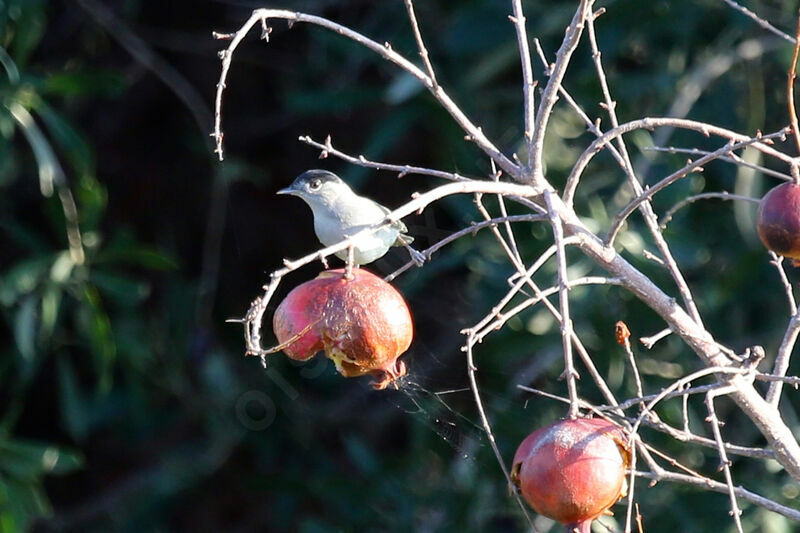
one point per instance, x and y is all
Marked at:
(730, 158)
(790, 93)
(645, 208)
(763, 415)
(781, 365)
(550, 93)
(385, 50)
(675, 176)
(528, 84)
(327, 149)
(777, 261)
(487, 428)
(423, 52)
(725, 464)
(563, 304)
(471, 230)
(716, 486)
(650, 123)
(760, 21)
(722, 195)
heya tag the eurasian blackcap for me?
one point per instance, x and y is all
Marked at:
(340, 213)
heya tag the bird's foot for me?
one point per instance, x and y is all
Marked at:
(418, 257)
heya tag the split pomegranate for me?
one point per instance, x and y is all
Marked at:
(778, 220)
(572, 471)
(362, 323)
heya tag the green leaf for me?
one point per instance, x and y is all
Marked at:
(72, 402)
(9, 161)
(96, 326)
(97, 83)
(20, 503)
(23, 237)
(137, 255)
(23, 278)
(121, 290)
(92, 200)
(28, 29)
(25, 328)
(71, 143)
(50, 171)
(25, 459)
(51, 302)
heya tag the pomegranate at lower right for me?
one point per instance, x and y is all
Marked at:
(573, 470)
(778, 220)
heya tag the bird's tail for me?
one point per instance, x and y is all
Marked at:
(403, 240)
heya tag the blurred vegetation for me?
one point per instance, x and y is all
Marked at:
(126, 403)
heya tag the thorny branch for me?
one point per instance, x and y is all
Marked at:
(733, 375)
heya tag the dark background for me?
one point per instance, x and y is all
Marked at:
(126, 402)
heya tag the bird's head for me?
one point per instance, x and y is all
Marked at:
(317, 187)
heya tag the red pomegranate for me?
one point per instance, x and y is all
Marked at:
(362, 323)
(572, 471)
(778, 220)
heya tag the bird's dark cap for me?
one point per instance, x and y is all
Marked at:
(302, 181)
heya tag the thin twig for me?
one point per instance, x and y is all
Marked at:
(512, 241)
(783, 358)
(777, 261)
(472, 229)
(725, 464)
(655, 423)
(722, 195)
(716, 486)
(327, 149)
(649, 123)
(563, 304)
(540, 296)
(790, 93)
(730, 158)
(487, 427)
(528, 83)
(760, 21)
(550, 93)
(423, 52)
(645, 208)
(262, 16)
(624, 340)
(675, 176)
(650, 341)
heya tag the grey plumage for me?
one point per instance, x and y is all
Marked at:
(340, 213)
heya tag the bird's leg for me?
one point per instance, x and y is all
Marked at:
(348, 269)
(324, 263)
(418, 257)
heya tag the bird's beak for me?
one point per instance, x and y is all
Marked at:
(287, 190)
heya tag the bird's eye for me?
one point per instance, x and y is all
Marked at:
(314, 185)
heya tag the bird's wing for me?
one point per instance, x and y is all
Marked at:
(402, 238)
(397, 224)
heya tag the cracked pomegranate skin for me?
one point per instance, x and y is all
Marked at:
(363, 324)
(778, 220)
(573, 470)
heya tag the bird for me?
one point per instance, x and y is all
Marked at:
(340, 213)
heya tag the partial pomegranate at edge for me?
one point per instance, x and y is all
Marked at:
(572, 471)
(778, 220)
(363, 324)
